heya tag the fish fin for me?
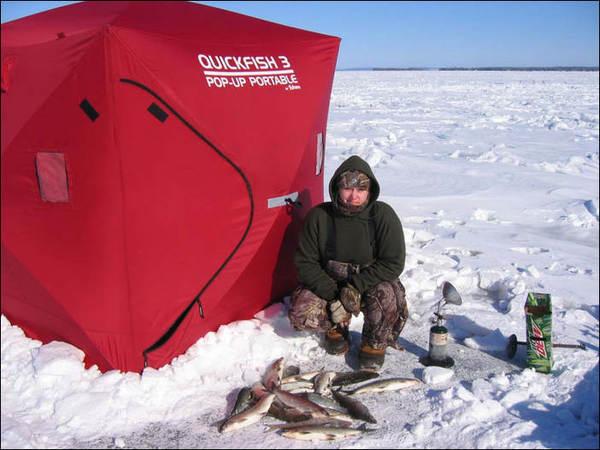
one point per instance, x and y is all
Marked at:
(363, 427)
(218, 423)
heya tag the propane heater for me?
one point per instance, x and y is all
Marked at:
(438, 334)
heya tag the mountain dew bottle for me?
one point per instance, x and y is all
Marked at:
(538, 317)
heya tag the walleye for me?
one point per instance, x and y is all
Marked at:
(290, 371)
(316, 432)
(325, 402)
(248, 416)
(355, 408)
(244, 400)
(313, 421)
(272, 378)
(298, 386)
(323, 382)
(390, 384)
(282, 412)
(344, 378)
(338, 378)
(301, 403)
(337, 414)
(308, 376)
(258, 390)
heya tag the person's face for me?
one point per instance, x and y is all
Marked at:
(356, 196)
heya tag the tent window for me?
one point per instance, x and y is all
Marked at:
(7, 67)
(320, 150)
(52, 176)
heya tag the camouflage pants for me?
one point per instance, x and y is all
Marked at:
(383, 306)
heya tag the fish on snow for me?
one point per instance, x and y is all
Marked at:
(389, 384)
(249, 416)
(316, 432)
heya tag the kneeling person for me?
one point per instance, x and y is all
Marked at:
(349, 256)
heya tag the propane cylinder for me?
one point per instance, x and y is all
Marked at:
(438, 338)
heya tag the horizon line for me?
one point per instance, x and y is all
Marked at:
(482, 68)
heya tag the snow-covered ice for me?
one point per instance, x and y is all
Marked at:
(495, 178)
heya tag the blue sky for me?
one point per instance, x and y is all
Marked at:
(427, 34)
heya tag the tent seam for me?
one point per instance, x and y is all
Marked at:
(108, 72)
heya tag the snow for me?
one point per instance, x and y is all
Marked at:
(495, 178)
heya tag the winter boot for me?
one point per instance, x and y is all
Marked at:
(370, 358)
(337, 341)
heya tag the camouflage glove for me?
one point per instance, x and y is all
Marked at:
(350, 298)
(338, 313)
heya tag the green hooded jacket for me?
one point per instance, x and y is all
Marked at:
(327, 234)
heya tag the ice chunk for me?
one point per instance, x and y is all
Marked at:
(436, 375)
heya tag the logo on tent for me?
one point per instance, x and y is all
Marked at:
(248, 71)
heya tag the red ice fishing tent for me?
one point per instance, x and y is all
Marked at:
(157, 161)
